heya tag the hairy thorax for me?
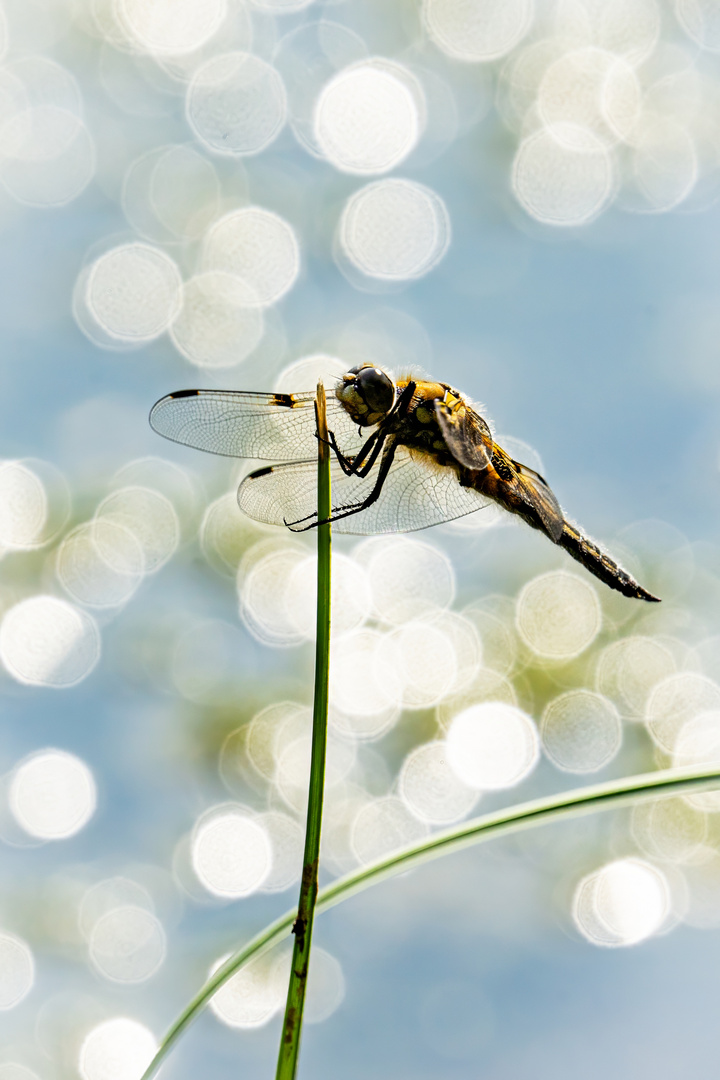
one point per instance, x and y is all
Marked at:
(419, 430)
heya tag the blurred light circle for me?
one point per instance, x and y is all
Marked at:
(102, 22)
(133, 292)
(417, 664)
(48, 642)
(264, 596)
(356, 685)
(466, 646)
(11, 1070)
(628, 669)
(17, 970)
(629, 28)
(257, 246)
(100, 563)
(281, 7)
(292, 770)
(127, 944)
(148, 515)
(581, 731)
(286, 842)
(326, 987)
(252, 995)
(558, 615)
(563, 177)
(496, 630)
(593, 89)
(492, 745)
(226, 533)
(343, 804)
(159, 474)
(477, 30)
(624, 903)
(669, 829)
(676, 700)
(14, 109)
(52, 795)
(486, 685)
(170, 26)
(350, 602)
(367, 118)
(49, 156)
(236, 104)
(621, 100)
(308, 57)
(665, 163)
(395, 565)
(521, 76)
(698, 743)
(384, 825)
(395, 230)
(184, 191)
(430, 788)
(231, 854)
(700, 19)
(23, 506)
(88, 324)
(108, 895)
(118, 1049)
(264, 730)
(307, 371)
(219, 323)
(171, 192)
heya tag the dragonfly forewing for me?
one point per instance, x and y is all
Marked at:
(236, 423)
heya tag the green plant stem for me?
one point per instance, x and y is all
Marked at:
(303, 925)
(569, 804)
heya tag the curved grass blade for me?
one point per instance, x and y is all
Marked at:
(513, 819)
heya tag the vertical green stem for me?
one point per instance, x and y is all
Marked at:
(303, 926)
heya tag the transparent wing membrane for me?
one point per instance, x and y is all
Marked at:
(236, 423)
(416, 494)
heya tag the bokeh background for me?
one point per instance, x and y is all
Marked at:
(519, 199)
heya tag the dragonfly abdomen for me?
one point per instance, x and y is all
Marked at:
(501, 482)
(601, 565)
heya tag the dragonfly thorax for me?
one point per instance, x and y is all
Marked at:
(367, 394)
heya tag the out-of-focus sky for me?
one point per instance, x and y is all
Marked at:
(517, 198)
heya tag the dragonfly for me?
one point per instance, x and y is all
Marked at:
(406, 454)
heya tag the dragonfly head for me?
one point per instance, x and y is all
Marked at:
(367, 393)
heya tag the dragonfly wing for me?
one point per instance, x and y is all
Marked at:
(416, 494)
(467, 435)
(236, 423)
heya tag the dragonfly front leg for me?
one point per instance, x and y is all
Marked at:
(352, 508)
(347, 464)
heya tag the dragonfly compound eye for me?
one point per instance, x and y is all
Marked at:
(376, 390)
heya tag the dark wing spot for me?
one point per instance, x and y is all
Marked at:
(503, 469)
(265, 471)
(184, 393)
(286, 400)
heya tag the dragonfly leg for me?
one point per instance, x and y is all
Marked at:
(352, 508)
(347, 464)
